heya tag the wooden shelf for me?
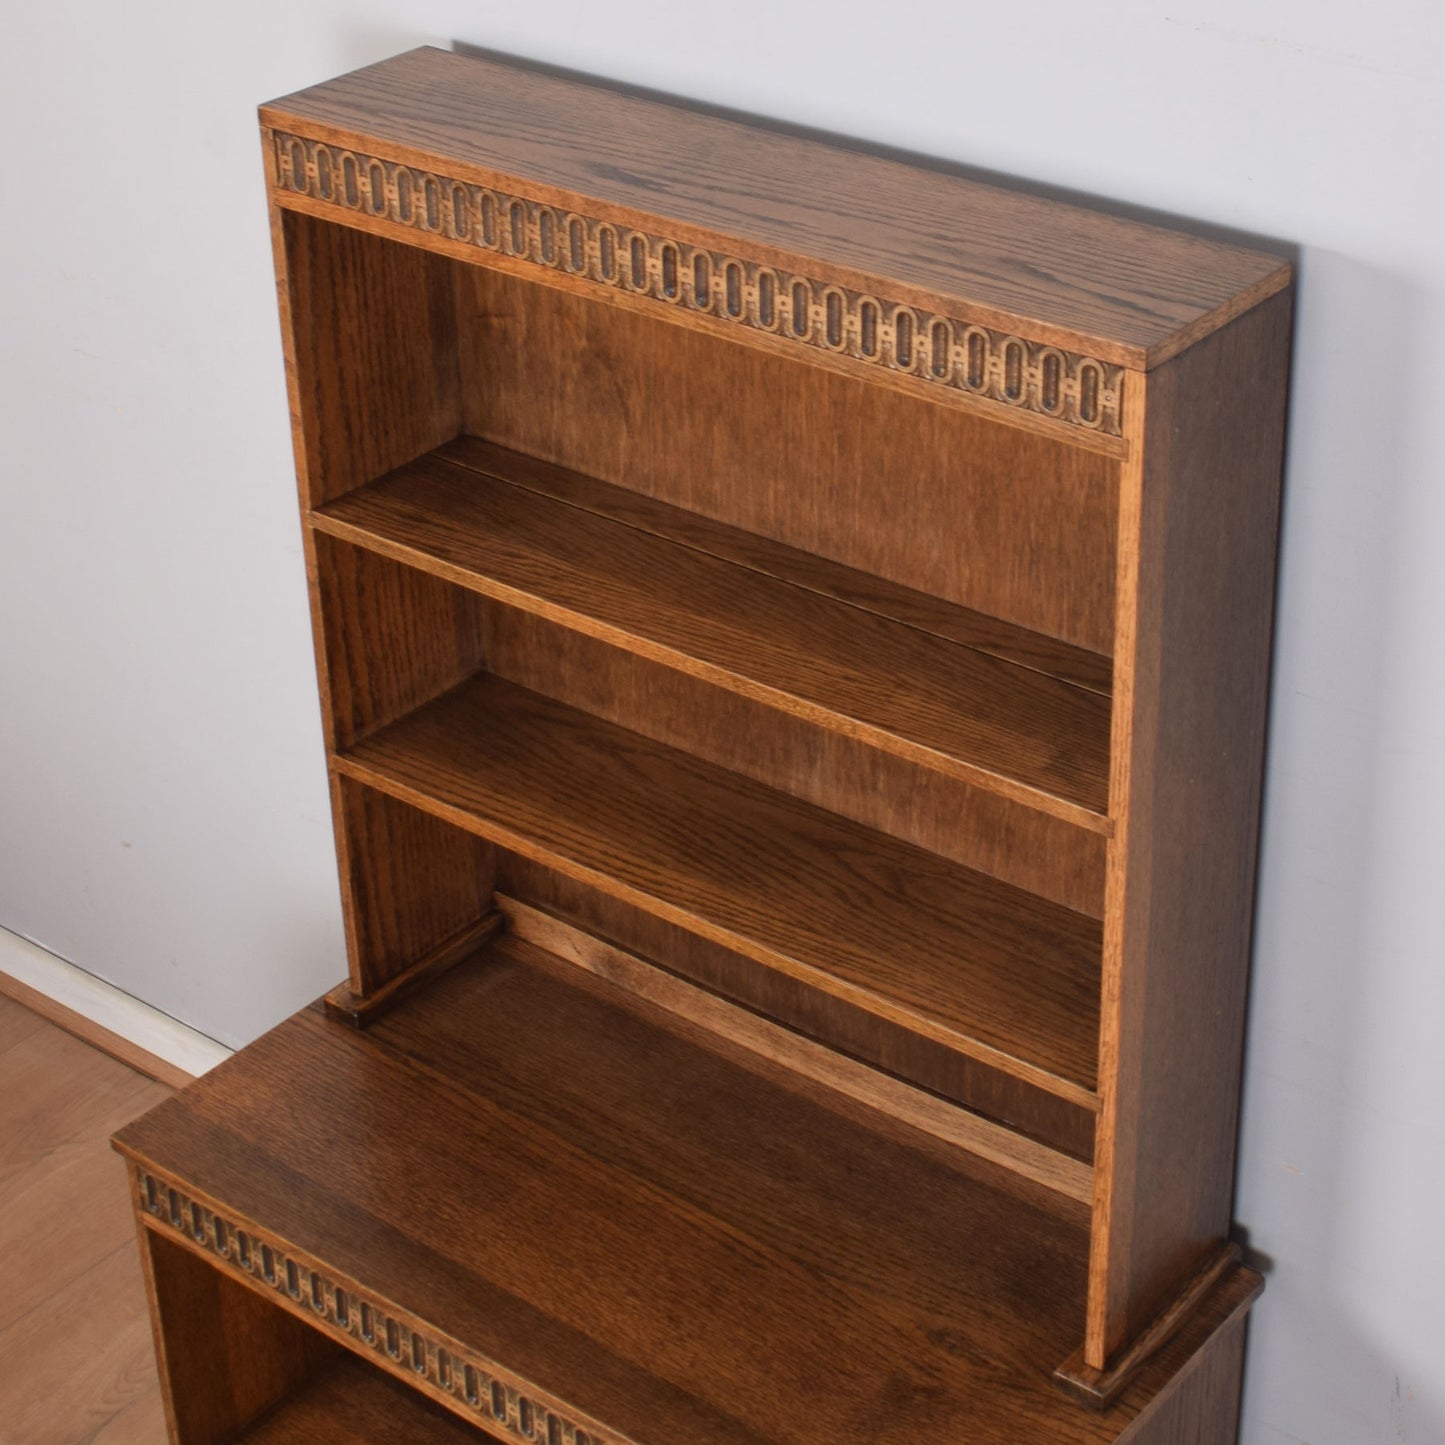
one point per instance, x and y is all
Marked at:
(350, 1403)
(1005, 709)
(566, 1203)
(962, 958)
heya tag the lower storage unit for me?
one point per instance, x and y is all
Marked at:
(529, 1204)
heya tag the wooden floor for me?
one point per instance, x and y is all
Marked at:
(74, 1331)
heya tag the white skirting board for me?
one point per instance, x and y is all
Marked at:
(108, 1006)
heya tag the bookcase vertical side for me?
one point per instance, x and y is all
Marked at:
(1198, 537)
(369, 339)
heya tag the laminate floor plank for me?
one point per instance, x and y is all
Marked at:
(142, 1422)
(56, 1091)
(17, 1023)
(58, 1219)
(87, 1356)
(74, 1322)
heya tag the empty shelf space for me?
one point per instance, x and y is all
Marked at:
(983, 967)
(531, 1195)
(1002, 708)
(350, 1403)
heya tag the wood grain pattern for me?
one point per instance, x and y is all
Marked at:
(853, 1031)
(1203, 515)
(634, 1216)
(358, 1009)
(1009, 729)
(142, 1422)
(413, 887)
(877, 1092)
(1031, 849)
(941, 501)
(72, 1304)
(17, 1021)
(226, 1355)
(371, 386)
(892, 600)
(58, 1094)
(1222, 1280)
(968, 961)
(60, 1216)
(85, 1353)
(391, 637)
(947, 357)
(1060, 274)
(830, 598)
(348, 1404)
(1203, 1407)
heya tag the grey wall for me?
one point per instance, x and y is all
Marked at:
(162, 810)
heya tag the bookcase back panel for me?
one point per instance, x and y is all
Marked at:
(852, 1031)
(1015, 525)
(1008, 840)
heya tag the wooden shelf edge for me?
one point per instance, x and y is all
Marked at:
(1219, 1291)
(361, 1009)
(878, 1092)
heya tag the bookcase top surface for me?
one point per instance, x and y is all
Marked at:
(1125, 291)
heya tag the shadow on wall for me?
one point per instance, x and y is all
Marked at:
(1317, 1370)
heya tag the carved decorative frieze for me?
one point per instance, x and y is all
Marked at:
(349, 1314)
(950, 352)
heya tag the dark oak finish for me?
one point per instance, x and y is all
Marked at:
(821, 605)
(1131, 292)
(759, 553)
(413, 889)
(1005, 1143)
(638, 1220)
(376, 384)
(1204, 507)
(850, 1030)
(392, 637)
(349, 1404)
(1008, 728)
(226, 1355)
(987, 969)
(1223, 1279)
(826, 464)
(1035, 850)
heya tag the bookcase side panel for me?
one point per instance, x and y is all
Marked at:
(1190, 740)
(392, 638)
(373, 360)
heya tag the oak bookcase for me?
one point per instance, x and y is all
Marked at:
(793, 630)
